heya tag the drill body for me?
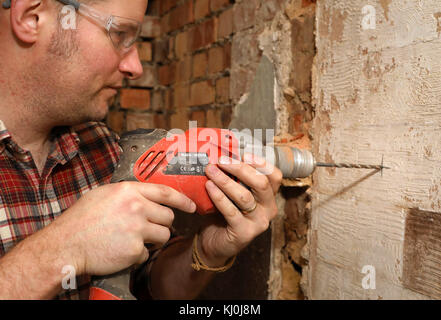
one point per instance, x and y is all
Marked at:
(179, 160)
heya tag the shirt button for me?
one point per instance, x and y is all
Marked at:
(21, 156)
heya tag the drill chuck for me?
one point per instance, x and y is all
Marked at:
(293, 162)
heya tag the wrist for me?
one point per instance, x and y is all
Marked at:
(209, 258)
(64, 251)
(33, 269)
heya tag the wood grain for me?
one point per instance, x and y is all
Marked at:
(422, 252)
(376, 92)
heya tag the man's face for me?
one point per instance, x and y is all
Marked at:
(80, 70)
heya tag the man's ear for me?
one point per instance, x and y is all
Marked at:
(25, 18)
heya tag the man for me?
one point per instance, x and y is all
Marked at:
(56, 206)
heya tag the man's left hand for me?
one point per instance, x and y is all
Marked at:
(247, 213)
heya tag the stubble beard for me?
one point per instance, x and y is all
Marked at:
(58, 98)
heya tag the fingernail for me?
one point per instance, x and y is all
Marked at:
(193, 206)
(224, 160)
(248, 158)
(212, 169)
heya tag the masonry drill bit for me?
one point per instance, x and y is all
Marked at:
(351, 166)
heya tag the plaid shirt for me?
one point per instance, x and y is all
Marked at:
(82, 158)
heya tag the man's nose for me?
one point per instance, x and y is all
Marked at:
(130, 65)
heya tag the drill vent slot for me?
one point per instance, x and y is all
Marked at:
(150, 164)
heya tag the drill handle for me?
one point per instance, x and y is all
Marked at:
(112, 287)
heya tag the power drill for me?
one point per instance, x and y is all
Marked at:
(178, 160)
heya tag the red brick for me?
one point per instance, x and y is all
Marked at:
(214, 119)
(135, 99)
(219, 118)
(115, 121)
(297, 122)
(181, 96)
(160, 121)
(219, 58)
(165, 24)
(139, 120)
(223, 90)
(166, 74)
(245, 14)
(153, 9)
(171, 48)
(181, 15)
(219, 4)
(157, 102)
(144, 51)
(166, 5)
(183, 70)
(202, 93)
(151, 27)
(204, 34)
(161, 50)
(179, 120)
(168, 99)
(226, 116)
(181, 44)
(200, 117)
(148, 78)
(200, 65)
(201, 9)
(225, 24)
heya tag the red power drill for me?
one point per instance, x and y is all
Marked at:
(178, 160)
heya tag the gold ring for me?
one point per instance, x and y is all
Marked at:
(250, 210)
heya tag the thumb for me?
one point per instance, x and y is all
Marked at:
(144, 256)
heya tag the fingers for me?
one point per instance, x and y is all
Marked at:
(156, 234)
(159, 214)
(143, 257)
(240, 195)
(165, 195)
(260, 184)
(232, 215)
(273, 174)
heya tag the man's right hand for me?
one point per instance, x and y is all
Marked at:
(105, 231)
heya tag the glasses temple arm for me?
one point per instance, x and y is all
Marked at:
(72, 3)
(7, 3)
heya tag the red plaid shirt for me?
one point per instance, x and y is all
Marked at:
(83, 158)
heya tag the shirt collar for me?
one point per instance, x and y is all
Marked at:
(66, 142)
(4, 133)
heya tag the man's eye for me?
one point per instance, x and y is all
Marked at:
(118, 37)
(120, 34)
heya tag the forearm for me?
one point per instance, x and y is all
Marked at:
(172, 276)
(33, 269)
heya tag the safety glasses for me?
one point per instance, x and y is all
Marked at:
(123, 32)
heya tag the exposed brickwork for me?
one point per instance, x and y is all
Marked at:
(135, 99)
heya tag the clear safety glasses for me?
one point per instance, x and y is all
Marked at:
(123, 32)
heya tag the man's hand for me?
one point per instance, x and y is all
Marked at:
(105, 231)
(224, 239)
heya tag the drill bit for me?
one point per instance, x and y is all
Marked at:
(351, 166)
